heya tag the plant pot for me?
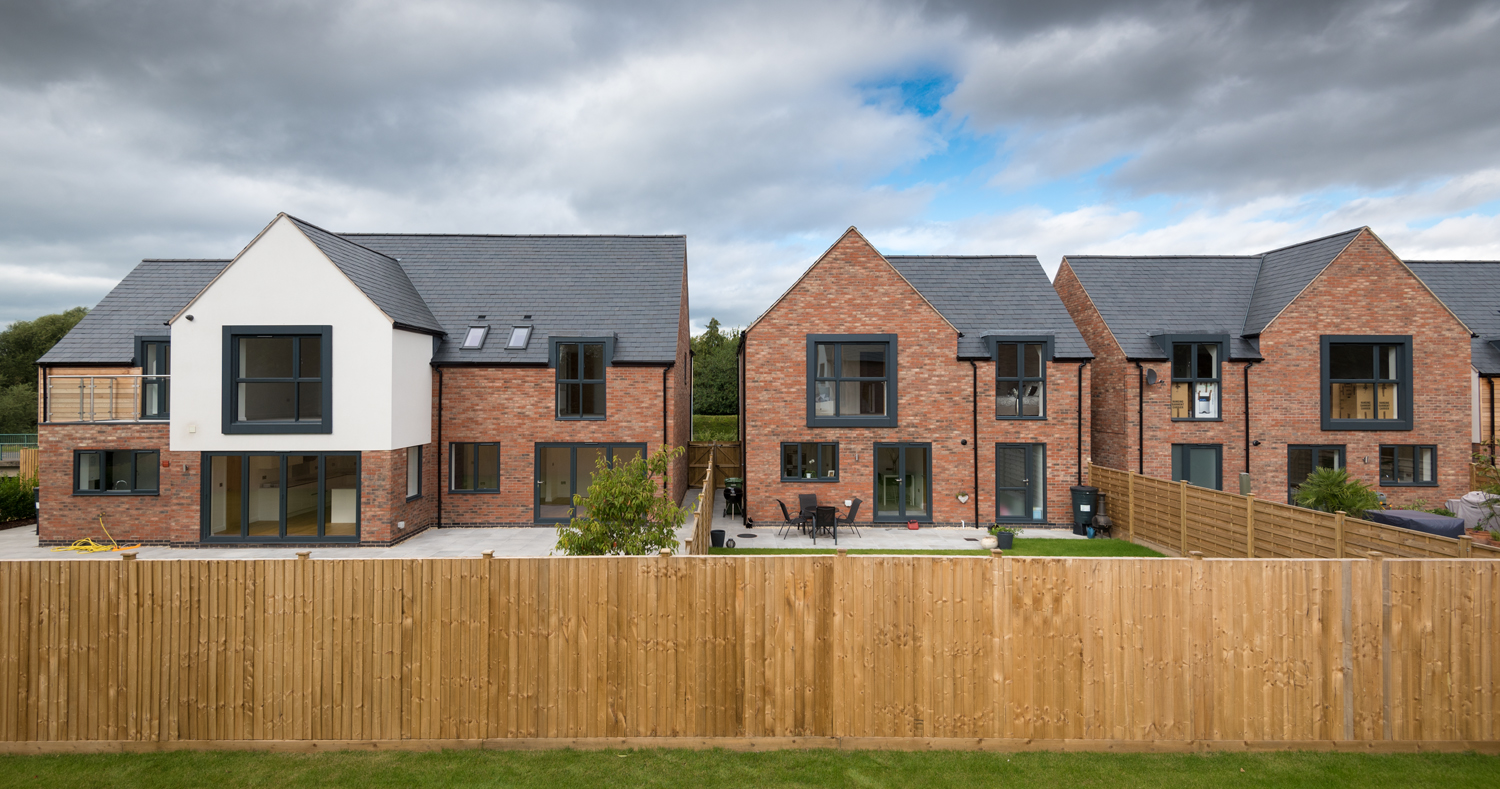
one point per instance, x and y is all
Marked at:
(988, 542)
(1006, 540)
(716, 538)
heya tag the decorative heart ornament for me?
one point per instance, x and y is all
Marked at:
(963, 498)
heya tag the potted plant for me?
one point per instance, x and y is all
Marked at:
(1001, 536)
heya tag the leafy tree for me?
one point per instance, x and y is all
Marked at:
(716, 370)
(18, 408)
(1331, 490)
(23, 342)
(629, 509)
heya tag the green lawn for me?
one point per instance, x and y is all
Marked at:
(1025, 546)
(716, 428)
(672, 768)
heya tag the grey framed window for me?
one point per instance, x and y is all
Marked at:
(581, 363)
(566, 470)
(116, 472)
(1021, 379)
(1021, 483)
(474, 467)
(413, 472)
(851, 380)
(278, 379)
(1367, 382)
(1196, 381)
(1402, 465)
(520, 336)
(810, 461)
(154, 356)
(903, 482)
(281, 497)
(474, 337)
(1302, 459)
(1199, 464)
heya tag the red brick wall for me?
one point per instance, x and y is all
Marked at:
(1111, 420)
(852, 290)
(383, 502)
(680, 393)
(171, 516)
(515, 406)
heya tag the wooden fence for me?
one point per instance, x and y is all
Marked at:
(1482, 475)
(703, 514)
(725, 455)
(1052, 650)
(1182, 518)
(30, 466)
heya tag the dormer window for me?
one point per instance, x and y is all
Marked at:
(474, 337)
(519, 336)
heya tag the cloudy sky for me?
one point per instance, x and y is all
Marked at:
(152, 129)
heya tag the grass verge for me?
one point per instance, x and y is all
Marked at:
(674, 768)
(707, 427)
(1025, 546)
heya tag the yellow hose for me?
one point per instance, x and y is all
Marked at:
(87, 545)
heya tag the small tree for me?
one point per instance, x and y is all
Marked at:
(628, 509)
(1331, 490)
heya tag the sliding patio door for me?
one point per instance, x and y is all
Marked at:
(903, 477)
(281, 497)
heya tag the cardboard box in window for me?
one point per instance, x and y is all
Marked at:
(1385, 403)
(1344, 402)
(1182, 401)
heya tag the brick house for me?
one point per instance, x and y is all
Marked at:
(1344, 357)
(942, 390)
(326, 388)
(1472, 289)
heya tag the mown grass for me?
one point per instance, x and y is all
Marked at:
(707, 427)
(717, 768)
(1024, 546)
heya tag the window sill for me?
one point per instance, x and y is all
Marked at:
(1393, 425)
(469, 492)
(1198, 419)
(277, 428)
(410, 499)
(851, 421)
(1020, 419)
(580, 418)
(1385, 484)
(809, 479)
(117, 493)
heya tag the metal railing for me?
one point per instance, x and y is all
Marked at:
(107, 398)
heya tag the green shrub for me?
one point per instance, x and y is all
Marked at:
(1331, 490)
(630, 509)
(15, 499)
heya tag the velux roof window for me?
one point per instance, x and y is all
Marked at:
(519, 336)
(474, 337)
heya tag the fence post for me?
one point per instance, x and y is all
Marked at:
(1250, 527)
(1182, 513)
(1338, 534)
(1465, 546)
(1130, 506)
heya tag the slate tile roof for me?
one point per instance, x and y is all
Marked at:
(1471, 288)
(139, 306)
(379, 276)
(1238, 295)
(588, 286)
(983, 295)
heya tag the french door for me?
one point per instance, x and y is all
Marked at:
(903, 482)
(1020, 482)
(565, 470)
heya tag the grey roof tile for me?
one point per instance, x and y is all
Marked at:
(983, 295)
(628, 286)
(1139, 297)
(139, 306)
(379, 276)
(1471, 288)
(1286, 271)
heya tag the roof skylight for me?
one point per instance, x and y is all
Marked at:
(519, 336)
(474, 337)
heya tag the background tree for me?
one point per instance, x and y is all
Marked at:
(629, 509)
(715, 372)
(21, 344)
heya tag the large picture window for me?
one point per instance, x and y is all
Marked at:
(117, 472)
(277, 379)
(851, 380)
(1196, 380)
(1367, 383)
(474, 468)
(1408, 465)
(810, 462)
(1020, 380)
(580, 377)
(281, 496)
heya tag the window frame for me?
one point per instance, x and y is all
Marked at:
(409, 495)
(995, 341)
(1405, 384)
(1218, 463)
(1341, 449)
(901, 517)
(1380, 463)
(165, 393)
(552, 361)
(573, 447)
(205, 499)
(453, 465)
(892, 395)
(509, 346)
(230, 392)
(1039, 488)
(802, 461)
(134, 461)
(1171, 341)
(484, 336)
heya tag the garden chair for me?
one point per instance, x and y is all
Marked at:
(800, 521)
(848, 520)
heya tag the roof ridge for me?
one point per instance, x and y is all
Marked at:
(960, 257)
(1162, 257)
(516, 235)
(186, 260)
(1451, 262)
(341, 238)
(1315, 240)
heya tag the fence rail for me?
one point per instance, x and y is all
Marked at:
(785, 646)
(703, 514)
(1183, 518)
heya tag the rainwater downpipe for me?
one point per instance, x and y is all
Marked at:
(440, 453)
(1492, 420)
(1248, 365)
(1079, 442)
(1140, 418)
(974, 401)
(665, 421)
